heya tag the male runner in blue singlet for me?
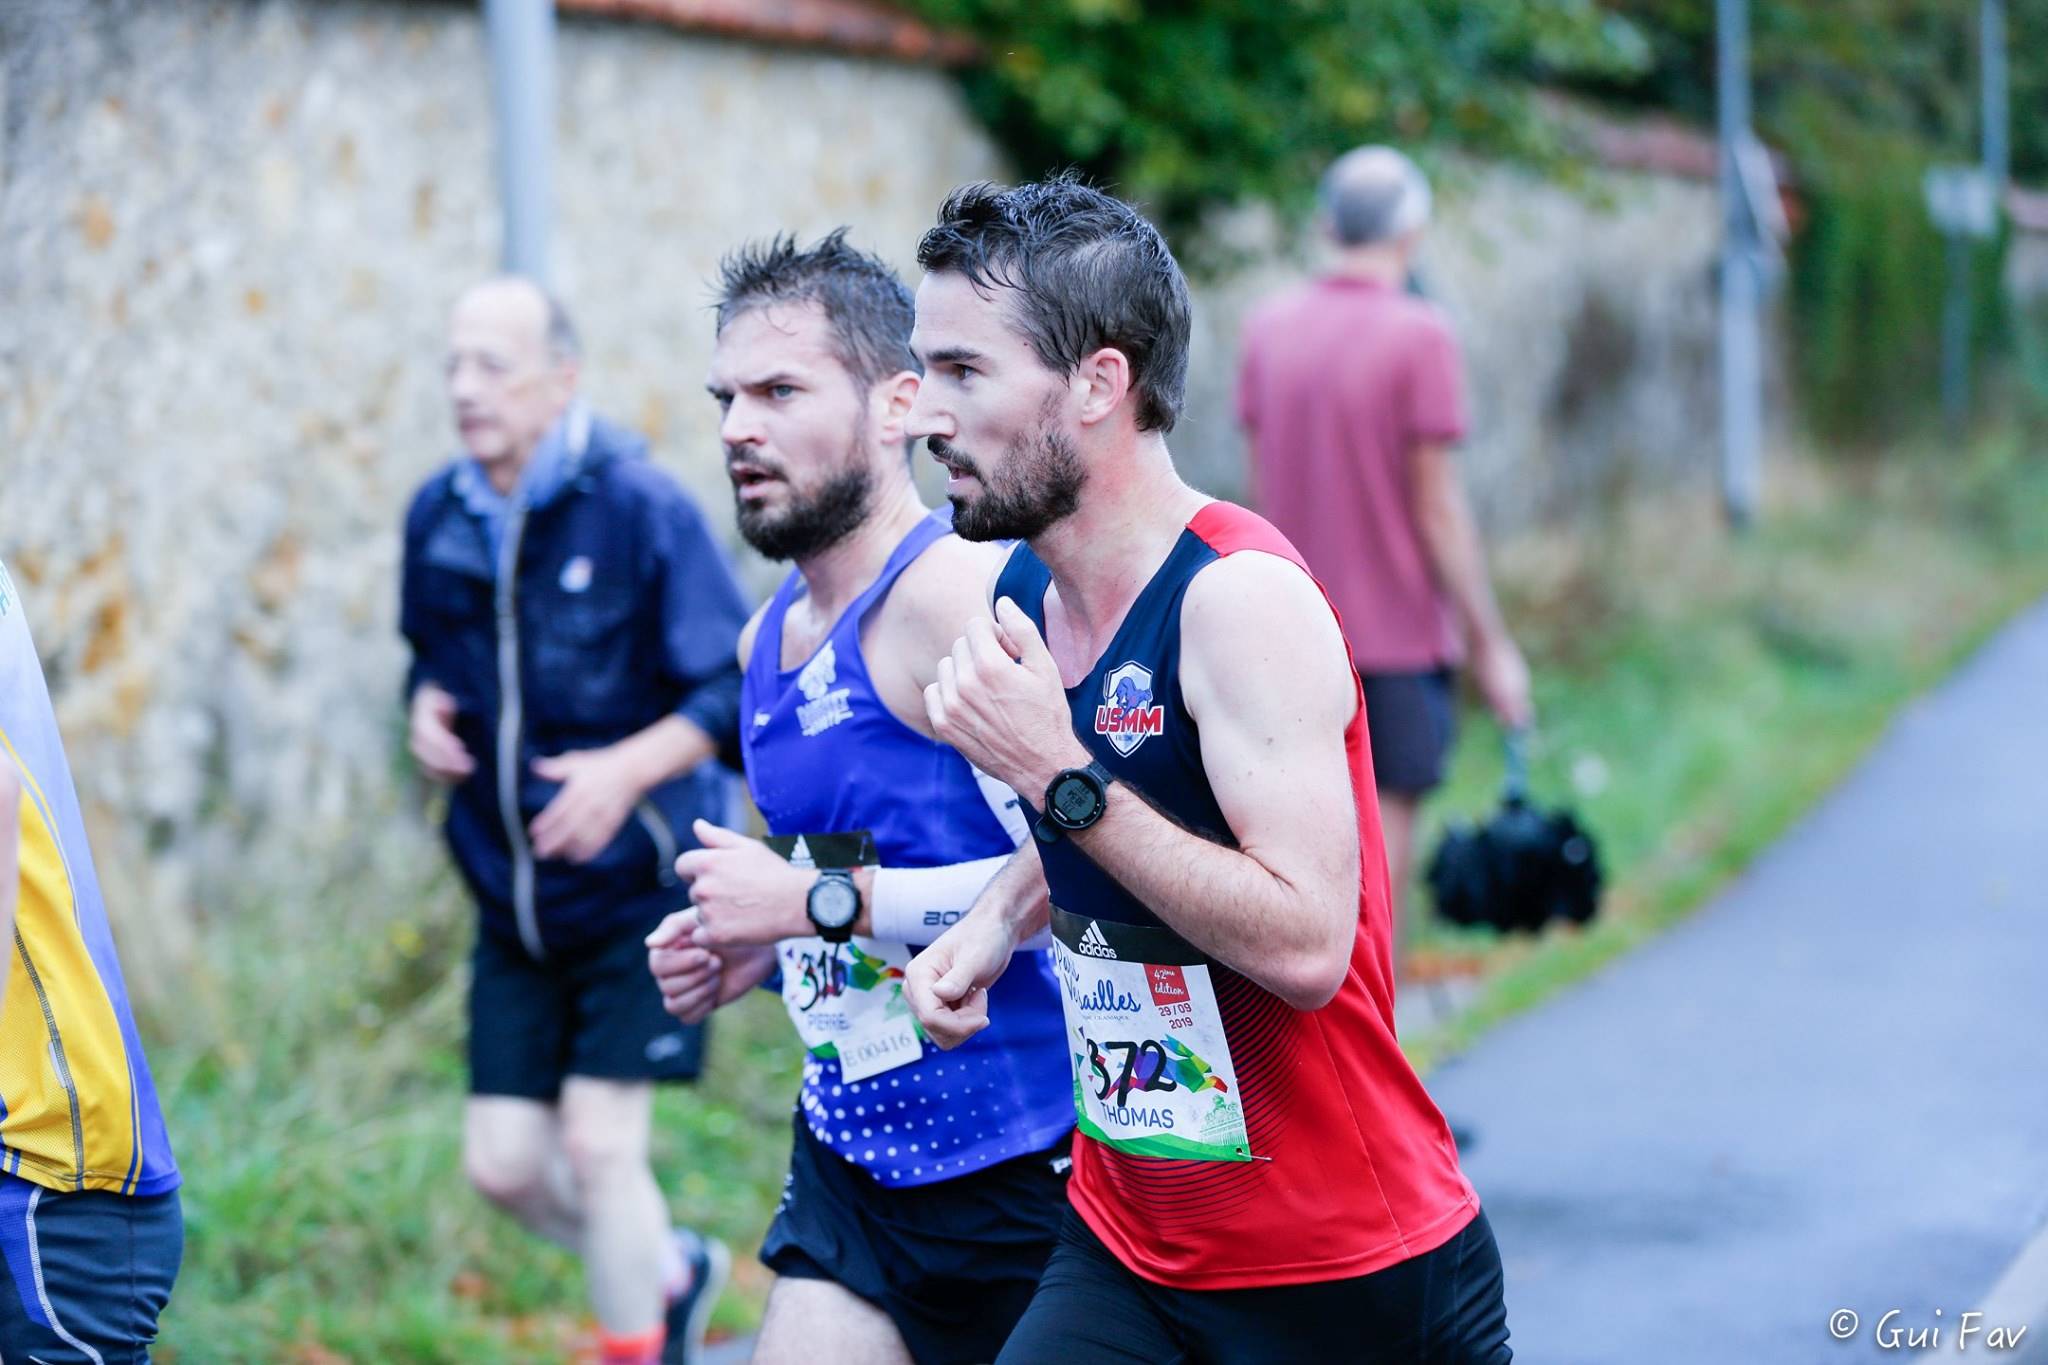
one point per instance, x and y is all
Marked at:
(925, 1189)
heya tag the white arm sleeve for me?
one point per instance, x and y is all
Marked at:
(915, 904)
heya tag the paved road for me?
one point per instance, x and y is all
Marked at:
(1828, 1089)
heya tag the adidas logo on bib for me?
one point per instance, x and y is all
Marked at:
(1093, 943)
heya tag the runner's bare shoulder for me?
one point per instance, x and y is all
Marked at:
(926, 611)
(943, 589)
(1251, 618)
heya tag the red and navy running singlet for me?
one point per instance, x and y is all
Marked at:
(1227, 1140)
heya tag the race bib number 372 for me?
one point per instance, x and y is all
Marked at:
(1152, 1072)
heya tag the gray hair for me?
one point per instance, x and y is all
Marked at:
(558, 329)
(563, 342)
(1374, 194)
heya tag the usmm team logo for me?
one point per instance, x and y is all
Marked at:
(1128, 716)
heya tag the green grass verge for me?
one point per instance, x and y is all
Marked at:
(1697, 694)
(314, 1083)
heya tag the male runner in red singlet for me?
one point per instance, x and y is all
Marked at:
(1258, 1174)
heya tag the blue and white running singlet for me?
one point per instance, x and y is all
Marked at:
(825, 756)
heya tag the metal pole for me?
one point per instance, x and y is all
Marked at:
(1955, 313)
(1741, 278)
(522, 44)
(1997, 106)
(1955, 336)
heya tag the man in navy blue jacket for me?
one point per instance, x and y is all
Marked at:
(573, 625)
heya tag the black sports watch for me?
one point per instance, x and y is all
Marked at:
(833, 905)
(1074, 800)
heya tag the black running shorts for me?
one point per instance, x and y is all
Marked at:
(1443, 1307)
(952, 1263)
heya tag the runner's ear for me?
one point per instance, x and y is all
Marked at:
(1102, 381)
(895, 396)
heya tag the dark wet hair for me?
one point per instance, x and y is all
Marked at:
(866, 305)
(1087, 271)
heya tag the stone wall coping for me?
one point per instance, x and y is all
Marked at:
(1661, 145)
(865, 27)
(1649, 143)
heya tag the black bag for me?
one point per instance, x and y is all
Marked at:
(1519, 870)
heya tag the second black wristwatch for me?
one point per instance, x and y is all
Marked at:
(833, 905)
(1074, 800)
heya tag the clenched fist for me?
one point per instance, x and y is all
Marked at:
(999, 701)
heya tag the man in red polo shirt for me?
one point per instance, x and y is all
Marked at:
(1352, 392)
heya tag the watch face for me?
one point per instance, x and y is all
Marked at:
(834, 903)
(1076, 802)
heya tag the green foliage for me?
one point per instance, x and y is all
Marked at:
(1867, 285)
(1863, 95)
(311, 1069)
(1886, 68)
(1186, 106)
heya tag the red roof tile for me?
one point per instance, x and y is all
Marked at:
(867, 27)
(1659, 146)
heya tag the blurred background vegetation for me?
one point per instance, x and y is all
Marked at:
(1196, 107)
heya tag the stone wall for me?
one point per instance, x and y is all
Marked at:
(229, 234)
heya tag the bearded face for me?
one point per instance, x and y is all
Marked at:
(801, 517)
(1036, 483)
(795, 426)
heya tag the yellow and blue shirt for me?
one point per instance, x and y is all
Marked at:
(77, 1108)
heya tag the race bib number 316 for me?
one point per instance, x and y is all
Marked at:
(846, 999)
(1152, 1072)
